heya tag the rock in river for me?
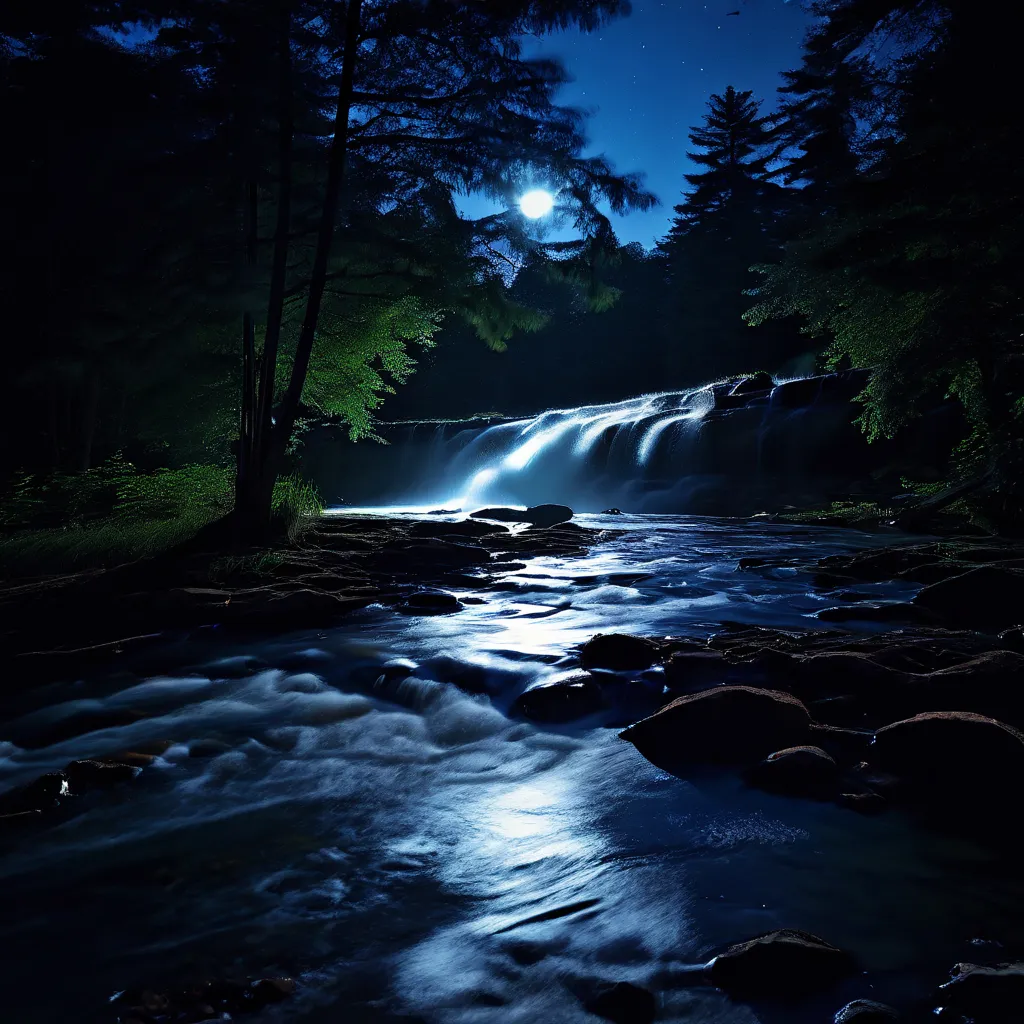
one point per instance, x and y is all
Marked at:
(866, 1011)
(988, 598)
(564, 701)
(986, 994)
(620, 651)
(535, 515)
(952, 750)
(782, 964)
(796, 771)
(431, 602)
(726, 724)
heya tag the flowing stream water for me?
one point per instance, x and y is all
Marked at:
(366, 817)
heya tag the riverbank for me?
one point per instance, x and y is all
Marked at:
(337, 564)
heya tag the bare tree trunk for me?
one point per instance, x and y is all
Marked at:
(256, 515)
(279, 270)
(246, 430)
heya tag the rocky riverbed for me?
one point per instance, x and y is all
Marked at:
(453, 768)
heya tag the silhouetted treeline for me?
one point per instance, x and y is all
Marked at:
(224, 218)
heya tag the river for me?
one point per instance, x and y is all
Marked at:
(366, 818)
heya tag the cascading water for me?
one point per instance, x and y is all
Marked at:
(725, 448)
(591, 457)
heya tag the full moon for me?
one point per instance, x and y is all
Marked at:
(536, 203)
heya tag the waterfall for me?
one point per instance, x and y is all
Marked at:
(720, 448)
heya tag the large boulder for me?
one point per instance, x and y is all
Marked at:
(727, 724)
(620, 652)
(866, 1011)
(535, 515)
(988, 598)
(951, 749)
(984, 994)
(796, 771)
(782, 964)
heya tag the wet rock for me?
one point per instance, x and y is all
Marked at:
(286, 609)
(986, 994)
(935, 572)
(864, 802)
(465, 528)
(694, 669)
(620, 652)
(84, 776)
(989, 599)
(535, 515)
(866, 1011)
(880, 565)
(430, 602)
(622, 1003)
(561, 702)
(725, 724)
(429, 554)
(796, 394)
(757, 383)
(958, 750)
(877, 612)
(782, 964)
(201, 1003)
(612, 512)
(796, 771)
(43, 794)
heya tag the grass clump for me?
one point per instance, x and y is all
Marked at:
(115, 513)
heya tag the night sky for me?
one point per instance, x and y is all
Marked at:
(646, 80)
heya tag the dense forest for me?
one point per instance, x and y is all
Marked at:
(227, 220)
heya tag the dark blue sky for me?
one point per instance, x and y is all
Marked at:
(647, 78)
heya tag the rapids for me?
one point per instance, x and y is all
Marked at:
(410, 853)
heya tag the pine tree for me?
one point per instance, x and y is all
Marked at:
(733, 145)
(818, 118)
(917, 273)
(730, 219)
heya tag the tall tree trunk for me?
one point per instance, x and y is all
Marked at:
(247, 422)
(256, 515)
(279, 270)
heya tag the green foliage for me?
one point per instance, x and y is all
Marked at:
(911, 262)
(362, 353)
(295, 505)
